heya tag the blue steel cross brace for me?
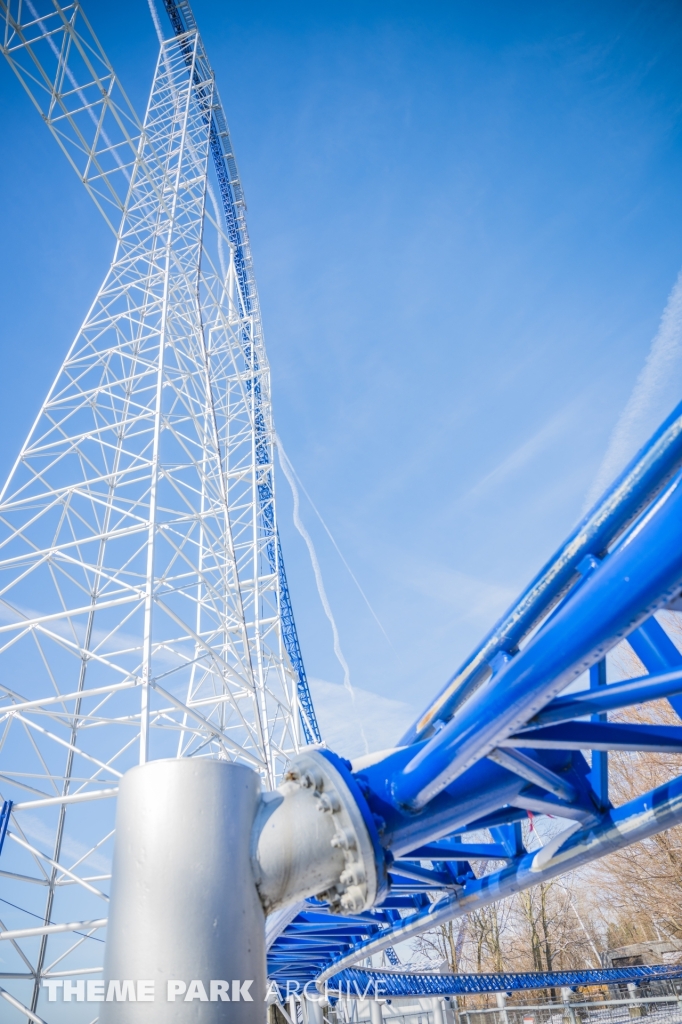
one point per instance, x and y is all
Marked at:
(518, 741)
(5, 815)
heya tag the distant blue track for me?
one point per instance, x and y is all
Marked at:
(356, 982)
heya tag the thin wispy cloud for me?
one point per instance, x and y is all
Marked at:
(657, 390)
(72, 849)
(468, 598)
(524, 454)
(315, 563)
(343, 718)
(290, 468)
(288, 471)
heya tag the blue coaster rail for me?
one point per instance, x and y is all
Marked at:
(356, 982)
(507, 734)
(505, 738)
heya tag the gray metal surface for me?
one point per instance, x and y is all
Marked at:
(375, 1014)
(310, 839)
(184, 905)
(313, 1011)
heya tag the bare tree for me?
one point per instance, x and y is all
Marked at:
(638, 891)
(443, 945)
(632, 895)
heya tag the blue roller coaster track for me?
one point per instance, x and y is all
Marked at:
(506, 734)
(505, 738)
(354, 982)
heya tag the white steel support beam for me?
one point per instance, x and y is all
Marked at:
(140, 603)
(58, 59)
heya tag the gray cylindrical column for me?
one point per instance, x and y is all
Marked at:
(314, 1009)
(437, 1006)
(184, 909)
(375, 1013)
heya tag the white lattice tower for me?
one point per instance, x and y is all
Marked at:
(140, 597)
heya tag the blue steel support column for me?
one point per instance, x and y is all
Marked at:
(599, 776)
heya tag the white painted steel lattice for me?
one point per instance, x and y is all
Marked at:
(56, 56)
(140, 597)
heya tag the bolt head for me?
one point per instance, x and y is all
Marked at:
(353, 900)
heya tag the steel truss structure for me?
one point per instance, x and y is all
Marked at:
(509, 733)
(145, 609)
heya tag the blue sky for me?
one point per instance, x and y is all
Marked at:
(466, 223)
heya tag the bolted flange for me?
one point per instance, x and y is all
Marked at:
(311, 838)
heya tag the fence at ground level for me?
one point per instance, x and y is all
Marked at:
(659, 1009)
(665, 1009)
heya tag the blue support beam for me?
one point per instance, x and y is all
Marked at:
(5, 815)
(448, 849)
(611, 698)
(599, 773)
(613, 601)
(406, 872)
(600, 736)
(634, 490)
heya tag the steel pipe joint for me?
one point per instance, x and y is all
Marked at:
(310, 838)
